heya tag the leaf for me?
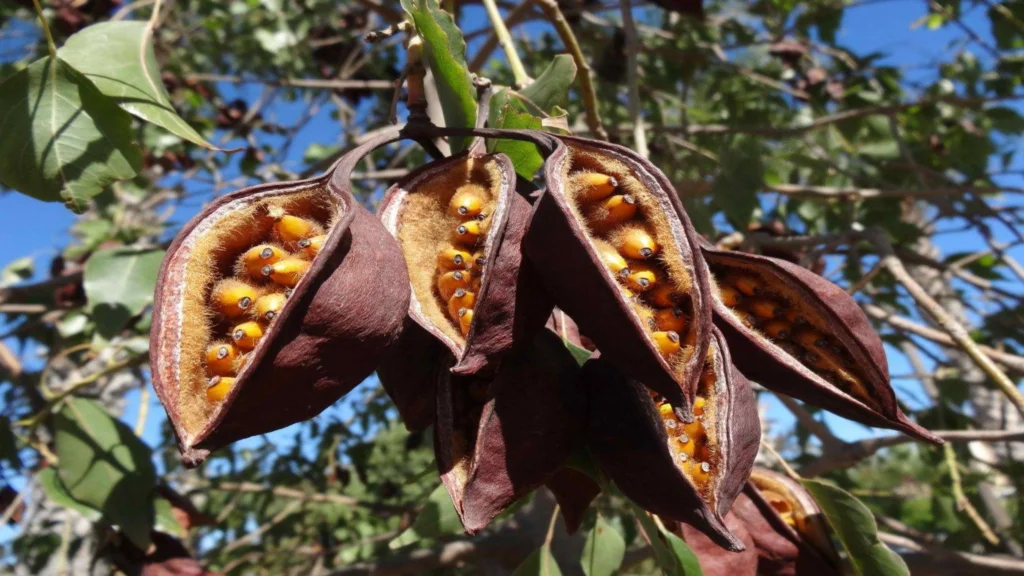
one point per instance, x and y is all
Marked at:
(603, 551)
(105, 466)
(17, 271)
(540, 563)
(855, 527)
(119, 283)
(437, 518)
(8, 443)
(51, 485)
(63, 140)
(508, 114)
(672, 555)
(551, 88)
(119, 59)
(165, 520)
(738, 182)
(581, 355)
(445, 50)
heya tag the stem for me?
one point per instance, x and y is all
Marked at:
(564, 29)
(632, 47)
(961, 499)
(522, 79)
(46, 29)
(782, 462)
(957, 332)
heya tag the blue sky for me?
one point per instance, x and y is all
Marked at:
(40, 229)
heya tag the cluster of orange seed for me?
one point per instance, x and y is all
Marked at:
(689, 443)
(758, 307)
(247, 303)
(628, 250)
(461, 265)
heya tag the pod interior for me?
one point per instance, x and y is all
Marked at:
(208, 259)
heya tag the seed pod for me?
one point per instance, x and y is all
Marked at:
(509, 301)
(574, 491)
(832, 358)
(573, 258)
(492, 453)
(787, 527)
(327, 338)
(713, 559)
(656, 460)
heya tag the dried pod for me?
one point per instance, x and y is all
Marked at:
(788, 528)
(690, 472)
(714, 560)
(805, 337)
(498, 439)
(602, 267)
(325, 339)
(574, 491)
(424, 212)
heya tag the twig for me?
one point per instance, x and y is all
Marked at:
(927, 558)
(140, 421)
(522, 79)
(782, 462)
(564, 29)
(828, 440)
(251, 536)
(962, 503)
(283, 492)
(948, 324)
(296, 82)
(632, 49)
(1011, 361)
(515, 16)
(46, 30)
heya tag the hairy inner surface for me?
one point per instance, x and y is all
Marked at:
(243, 261)
(695, 447)
(628, 226)
(443, 228)
(774, 311)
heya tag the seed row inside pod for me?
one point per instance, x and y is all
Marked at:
(267, 266)
(460, 265)
(799, 331)
(693, 445)
(630, 233)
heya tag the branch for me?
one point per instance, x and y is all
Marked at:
(252, 487)
(590, 104)
(927, 559)
(516, 16)
(296, 82)
(1011, 361)
(632, 49)
(522, 79)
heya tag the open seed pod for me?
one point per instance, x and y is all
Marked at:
(690, 472)
(263, 315)
(617, 251)
(803, 336)
(788, 528)
(498, 439)
(460, 224)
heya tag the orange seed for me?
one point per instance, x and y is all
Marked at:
(468, 201)
(247, 335)
(462, 298)
(311, 246)
(255, 258)
(221, 359)
(268, 306)
(468, 233)
(218, 387)
(465, 320)
(287, 272)
(670, 319)
(594, 186)
(232, 297)
(667, 342)
(453, 259)
(637, 243)
(449, 282)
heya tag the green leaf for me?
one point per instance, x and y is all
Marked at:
(437, 518)
(604, 549)
(855, 527)
(551, 88)
(17, 271)
(105, 466)
(738, 182)
(672, 555)
(540, 563)
(118, 58)
(165, 520)
(445, 51)
(119, 283)
(51, 485)
(63, 140)
(8, 443)
(1005, 119)
(506, 113)
(581, 355)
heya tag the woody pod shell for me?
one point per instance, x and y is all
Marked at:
(775, 369)
(582, 287)
(329, 336)
(511, 305)
(626, 435)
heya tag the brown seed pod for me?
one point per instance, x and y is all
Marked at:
(576, 259)
(788, 528)
(574, 491)
(498, 439)
(826, 353)
(324, 340)
(713, 559)
(690, 472)
(508, 305)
